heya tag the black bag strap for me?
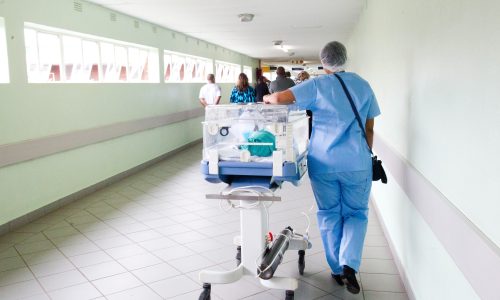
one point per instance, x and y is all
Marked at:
(354, 109)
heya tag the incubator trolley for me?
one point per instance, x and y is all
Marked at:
(255, 149)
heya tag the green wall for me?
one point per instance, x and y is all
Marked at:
(33, 111)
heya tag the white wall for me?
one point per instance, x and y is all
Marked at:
(434, 66)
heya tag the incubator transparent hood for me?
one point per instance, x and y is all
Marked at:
(254, 140)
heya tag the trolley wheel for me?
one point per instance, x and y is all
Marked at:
(205, 295)
(289, 295)
(302, 261)
(238, 255)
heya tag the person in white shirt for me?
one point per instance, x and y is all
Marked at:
(210, 92)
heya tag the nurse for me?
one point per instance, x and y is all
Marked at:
(339, 159)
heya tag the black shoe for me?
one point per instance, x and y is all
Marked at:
(350, 280)
(338, 279)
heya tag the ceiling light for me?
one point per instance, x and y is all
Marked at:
(246, 17)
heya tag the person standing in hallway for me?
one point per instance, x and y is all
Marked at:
(301, 77)
(210, 92)
(261, 89)
(282, 82)
(242, 92)
(339, 160)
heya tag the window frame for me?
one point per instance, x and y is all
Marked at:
(190, 64)
(4, 55)
(150, 67)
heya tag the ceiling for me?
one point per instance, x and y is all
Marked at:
(303, 26)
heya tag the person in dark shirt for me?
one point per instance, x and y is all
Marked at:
(261, 89)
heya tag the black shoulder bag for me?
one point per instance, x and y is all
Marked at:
(378, 170)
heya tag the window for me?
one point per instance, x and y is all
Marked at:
(4, 62)
(226, 72)
(85, 58)
(180, 67)
(248, 71)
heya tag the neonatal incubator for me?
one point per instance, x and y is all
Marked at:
(254, 140)
(254, 148)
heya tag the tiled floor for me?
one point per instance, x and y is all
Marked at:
(148, 236)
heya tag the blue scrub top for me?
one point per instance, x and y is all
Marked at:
(337, 143)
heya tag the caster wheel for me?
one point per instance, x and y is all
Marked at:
(289, 295)
(302, 262)
(205, 295)
(238, 255)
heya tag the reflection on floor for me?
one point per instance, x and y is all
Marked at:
(148, 236)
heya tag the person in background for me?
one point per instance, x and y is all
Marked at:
(288, 74)
(210, 92)
(339, 159)
(301, 77)
(261, 89)
(281, 83)
(242, 92)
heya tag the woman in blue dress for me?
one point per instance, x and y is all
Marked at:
(339, 160)
(242, 92)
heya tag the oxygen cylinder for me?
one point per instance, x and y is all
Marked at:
(274, 255)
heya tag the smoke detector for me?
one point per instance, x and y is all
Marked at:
(246, 17)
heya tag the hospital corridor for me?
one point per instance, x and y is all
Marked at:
(226, 150)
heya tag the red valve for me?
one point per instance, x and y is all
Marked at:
(270, 236)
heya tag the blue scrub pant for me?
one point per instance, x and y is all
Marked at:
(342, 199)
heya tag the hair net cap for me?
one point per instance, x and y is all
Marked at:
(333, 55)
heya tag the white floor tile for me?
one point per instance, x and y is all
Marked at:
(174, 286)
(187, 237)
(82, 291)
(172, 253)
(89, 259)
(376, 241)
(113, 242)
(116, 283)
(381, 266)
(382, 283)
(156, 273)
(10, 263)
(79, 249)
(32, 247)
(141, 292)
(43, 257)
(61, 280)
(125, 251)
(377, 252)
(371, 295)
(157, 244)
(8, 252)
(103, 270)
(191, 263)
(41, 297)
(52, 267)
(139, 261)
(21, 290)
(15, 276)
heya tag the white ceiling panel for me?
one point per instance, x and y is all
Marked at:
(303, 26)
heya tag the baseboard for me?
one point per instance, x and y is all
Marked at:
(42, 211)
(397, 261)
